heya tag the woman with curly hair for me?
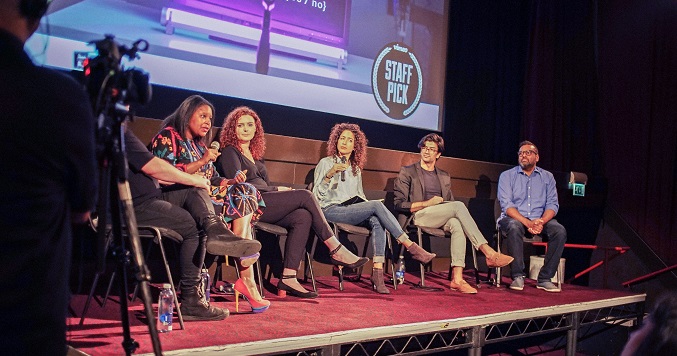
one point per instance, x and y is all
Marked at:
(338, 187)
(181, 143)
(298, 211)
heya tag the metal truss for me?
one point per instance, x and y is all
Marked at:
(573, 326)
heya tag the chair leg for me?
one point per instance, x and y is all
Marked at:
(340, 272)
(218, 272)
(389, 244)
(497, 281)
(420, 243)
(171, 281)
(422, 285)
(474, 262)
(258, 266)
(136, 284)
(340, 268)
(260, 278)
(309, 267)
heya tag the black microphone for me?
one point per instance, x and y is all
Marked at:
(215, 145)
(343, 172)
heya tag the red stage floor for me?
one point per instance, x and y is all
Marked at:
(336, 317)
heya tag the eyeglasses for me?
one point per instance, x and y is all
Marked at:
(429, 149)
(526, 153)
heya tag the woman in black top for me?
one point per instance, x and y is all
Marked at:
(296, 210)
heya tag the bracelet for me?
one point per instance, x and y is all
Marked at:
(327, 177)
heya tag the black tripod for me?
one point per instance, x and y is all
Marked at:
(115, 197)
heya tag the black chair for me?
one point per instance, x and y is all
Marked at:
(277, 231)
(348, 229)
(526, 241)
(155, 235)
(409, 226)
(343, 229)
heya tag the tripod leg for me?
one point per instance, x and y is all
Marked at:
(110, 286)
(142, 272)
(95, 282)
(89, 298)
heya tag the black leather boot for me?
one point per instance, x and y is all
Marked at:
(194, 306)
(222, 241)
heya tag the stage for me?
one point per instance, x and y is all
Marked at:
(357, 321)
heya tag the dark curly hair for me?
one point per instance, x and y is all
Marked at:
(228, 135)
(180, 118)
(358, 158)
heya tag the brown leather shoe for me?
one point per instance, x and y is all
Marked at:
(463, 287)
(499, 260)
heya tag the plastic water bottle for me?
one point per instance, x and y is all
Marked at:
(399, 270)
(165, 309)
(204, 279)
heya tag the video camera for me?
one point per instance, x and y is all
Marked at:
(111, 87)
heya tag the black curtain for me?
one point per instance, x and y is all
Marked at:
(592, 83)
(485, 74)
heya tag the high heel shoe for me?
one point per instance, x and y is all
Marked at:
(377, 281)
(359, 263)
(419, 254)
(257, 306)
(283, 289)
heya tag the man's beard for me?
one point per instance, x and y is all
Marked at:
(527, 166)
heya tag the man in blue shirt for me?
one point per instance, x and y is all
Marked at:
(528, 198)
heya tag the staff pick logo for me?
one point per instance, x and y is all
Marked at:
(396, 81)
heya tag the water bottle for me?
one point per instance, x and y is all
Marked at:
(399, 270)
(165, 309)
(204, 280)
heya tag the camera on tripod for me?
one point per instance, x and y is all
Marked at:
(112, 91)
(111, 87)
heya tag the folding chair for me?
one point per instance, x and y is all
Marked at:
(155, 234)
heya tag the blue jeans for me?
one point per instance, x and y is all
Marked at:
(514, 231)
(373, 213)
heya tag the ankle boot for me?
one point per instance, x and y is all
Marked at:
(419, 254)
(222, 241)
(377, 281)
(194, 306)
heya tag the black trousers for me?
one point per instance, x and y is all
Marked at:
(298, 211)
(181, 210)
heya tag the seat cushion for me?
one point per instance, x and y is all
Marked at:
(147, 232)
(270, 228)
(434, 232)
(352, 229)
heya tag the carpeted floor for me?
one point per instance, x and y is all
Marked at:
(356, 307)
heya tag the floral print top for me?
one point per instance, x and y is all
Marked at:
(170, 146)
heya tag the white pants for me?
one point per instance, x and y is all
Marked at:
(454, 217)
